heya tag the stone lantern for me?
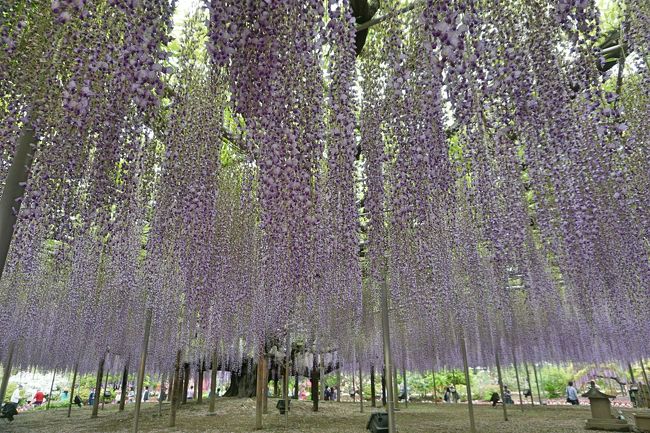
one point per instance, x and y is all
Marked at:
(601, 412)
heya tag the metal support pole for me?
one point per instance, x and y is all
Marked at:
(514, 363)
(354, 386)
(647, 385)
(503, 395)
(530, 385)
(373, 395)
(174, 392)
(259, 390)
(265, 387)
(74, 382)
(470, 405)
(395, 386)
(141, 370)
(49, 396)
(213, 383)
(98, 386)
(435, 393)
(406, 402)
(539, 394)
(338, 385)
(186, 382)
(360, 389)
(7, 371)
(163, 391)
(199, 383)
(105, 386)
(125, 384)
(285, 381)
(321, 378)
(385, 326)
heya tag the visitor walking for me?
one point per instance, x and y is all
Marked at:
(190, 393)
(91, 397)
(131, 395)
(15, 396)
(145, 396)
(572, 395)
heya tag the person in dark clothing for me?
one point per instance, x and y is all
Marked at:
(495, 399)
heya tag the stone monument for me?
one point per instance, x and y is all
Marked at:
(642, 421)
(601, 412)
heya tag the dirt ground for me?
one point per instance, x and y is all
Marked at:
(238, 416)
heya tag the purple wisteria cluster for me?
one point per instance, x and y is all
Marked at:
(256, 179)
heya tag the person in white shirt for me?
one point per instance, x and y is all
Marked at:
(572, 395)
(15, 396)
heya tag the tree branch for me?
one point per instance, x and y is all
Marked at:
(390, 15)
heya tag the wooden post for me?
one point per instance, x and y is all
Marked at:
(74, 382)
(12, 195)
(470, 405)
(213, 383)
(141, 371)
(7, 371)
(530, 384)
(296, 386)
(199, 385)
(259, 391)
(539, 394)
(338, 385)
(49, 396)
(500, 377)
(360, 389)
(265, 387)
(385, 327)
(514, 363)
(125, 384)
(98, 386)
(174, 392)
